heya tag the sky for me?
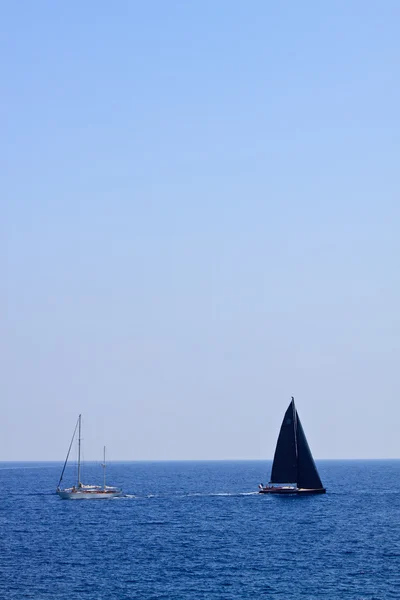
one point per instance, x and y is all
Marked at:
(199, 218)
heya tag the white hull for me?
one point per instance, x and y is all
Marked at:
(86, 495)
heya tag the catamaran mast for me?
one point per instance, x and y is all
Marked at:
(79, 452)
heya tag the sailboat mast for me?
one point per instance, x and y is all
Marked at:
(104, 468)
(79, 452)
(295, 437)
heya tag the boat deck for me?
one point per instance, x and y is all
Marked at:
(290, 490)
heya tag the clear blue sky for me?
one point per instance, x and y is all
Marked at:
(200, 218)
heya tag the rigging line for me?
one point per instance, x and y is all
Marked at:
(69, 450)
(294, 419)
(295, 438)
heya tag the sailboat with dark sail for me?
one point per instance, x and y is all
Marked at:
(81, 491)
(293, 469)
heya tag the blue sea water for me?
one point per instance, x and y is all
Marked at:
(199, 530)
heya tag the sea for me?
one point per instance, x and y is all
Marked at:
(200, 530)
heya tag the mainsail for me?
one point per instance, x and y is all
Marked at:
(284, 467)
(293, 461)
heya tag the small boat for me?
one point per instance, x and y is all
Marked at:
(81, 491)
(293, 469)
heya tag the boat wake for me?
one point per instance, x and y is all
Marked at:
(232, 494)
(188, 495)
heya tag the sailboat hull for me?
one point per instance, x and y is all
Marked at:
(89, 495)
(291, 490)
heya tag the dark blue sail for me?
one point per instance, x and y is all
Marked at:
(308, 477)
(284, 467)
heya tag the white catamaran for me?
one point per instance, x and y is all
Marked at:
(81, 491)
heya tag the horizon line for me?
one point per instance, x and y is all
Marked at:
(169, 460)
